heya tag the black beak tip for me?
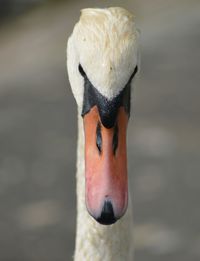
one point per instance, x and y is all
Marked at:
(107, 216)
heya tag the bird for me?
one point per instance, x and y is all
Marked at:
(102, 62)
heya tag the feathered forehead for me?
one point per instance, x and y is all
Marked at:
(103, 18)
(106, 43)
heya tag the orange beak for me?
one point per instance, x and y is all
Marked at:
(106, 167)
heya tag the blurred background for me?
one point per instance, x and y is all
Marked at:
(38, 130)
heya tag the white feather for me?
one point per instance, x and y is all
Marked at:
(104, 42)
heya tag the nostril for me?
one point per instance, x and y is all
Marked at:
(98, 137)
(115, 139)
(107, 214)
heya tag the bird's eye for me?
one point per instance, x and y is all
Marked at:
(136, 69)
(80, 68)
(134, 73)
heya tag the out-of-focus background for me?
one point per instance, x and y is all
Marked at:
(38, 130)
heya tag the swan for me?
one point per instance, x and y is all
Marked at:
(102, 60)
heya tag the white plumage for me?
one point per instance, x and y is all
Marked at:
(104, 42)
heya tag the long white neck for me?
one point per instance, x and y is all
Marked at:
(95, 242)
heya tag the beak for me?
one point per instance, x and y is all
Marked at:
(106, 167)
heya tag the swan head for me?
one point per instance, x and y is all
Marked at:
(102, 60)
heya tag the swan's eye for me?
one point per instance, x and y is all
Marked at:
(80, 68)
(98, 137)
(136, 69)
(115, 139)
(134, 73)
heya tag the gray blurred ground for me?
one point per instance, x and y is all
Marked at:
(38, 133)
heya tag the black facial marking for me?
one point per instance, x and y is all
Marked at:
(107, 108)
(99, 138)
(80, 68)
(115, 139)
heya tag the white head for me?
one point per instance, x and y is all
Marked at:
(102, 59)
(104, 42)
